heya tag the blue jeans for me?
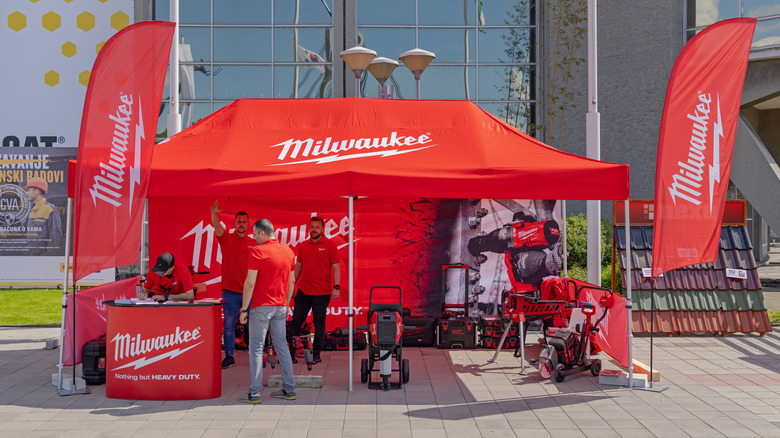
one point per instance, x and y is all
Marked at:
(230, 307)
(261, 320)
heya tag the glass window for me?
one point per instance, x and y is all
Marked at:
(192, 113)
(194, 11)
(242, 12)
(316, 40)
(388, 42)
(382, 12)
(447, 83)
(760, 8)
(519, 115)
(309, 11)
(199, 40)
(767, 33)
(449, 13)
(507, 83)
(242, 44)
(241, 81)
(450, 45)
(507, 12)
(161, 10)
(311, 83)
(705, 12)
(402, 81)
(507, 45)
(201, 89)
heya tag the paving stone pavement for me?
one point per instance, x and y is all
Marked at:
(716, 387)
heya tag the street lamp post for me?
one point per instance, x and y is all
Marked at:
(358, 58)
(417, 60)
(381, 69)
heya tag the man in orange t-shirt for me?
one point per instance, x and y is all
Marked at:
(318, 274)
(268, 288)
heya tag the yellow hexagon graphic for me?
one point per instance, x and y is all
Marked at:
(17, 21)
(84, 78)
(85, 21)
(51, 78)
(99, 46)
(51, 21)
(69, 49)
(120, 20)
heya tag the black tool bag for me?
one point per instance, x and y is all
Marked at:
(93, 361)
(338, 339)
(419, 331)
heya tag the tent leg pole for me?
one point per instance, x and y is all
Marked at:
(629, 304)
(64, 294)
(351, 274)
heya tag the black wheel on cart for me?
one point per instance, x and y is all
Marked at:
(560, 373)
(405, 370)
(595, 367)
(364, 370)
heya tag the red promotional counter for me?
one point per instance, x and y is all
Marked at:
(163, 351)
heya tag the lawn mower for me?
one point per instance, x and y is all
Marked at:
(567, 350)
(384, 343)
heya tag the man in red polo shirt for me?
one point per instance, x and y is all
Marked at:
(318, 274)
(168, 280)
(235, 252)
(268, 287)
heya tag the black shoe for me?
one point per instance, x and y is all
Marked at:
(316, 358)
(228, 362)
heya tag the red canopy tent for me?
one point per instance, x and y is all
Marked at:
(372, 147)
(356, 147)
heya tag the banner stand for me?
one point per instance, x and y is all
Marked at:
(650, 387)
(75, 387)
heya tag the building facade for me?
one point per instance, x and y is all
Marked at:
(524, 61)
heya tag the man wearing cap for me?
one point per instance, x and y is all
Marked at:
(169, 280)
(268, 289)
(235, 253)
(43, 223)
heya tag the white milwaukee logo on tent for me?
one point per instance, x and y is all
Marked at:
(128, 347)
(687, 183)
(326, 150)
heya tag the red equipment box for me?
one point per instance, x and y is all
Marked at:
(457, 332)
(492, 342)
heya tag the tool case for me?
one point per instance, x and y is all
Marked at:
(419, 331)
(338, 340)
(455, 328)
(93, 361)
(492, 342)
(456, 332)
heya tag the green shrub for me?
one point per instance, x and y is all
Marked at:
(774, 317)
(577, 247)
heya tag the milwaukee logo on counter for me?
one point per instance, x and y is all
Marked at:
(168, 346)
(326, 150)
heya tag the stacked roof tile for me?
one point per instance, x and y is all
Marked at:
(698, 298)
